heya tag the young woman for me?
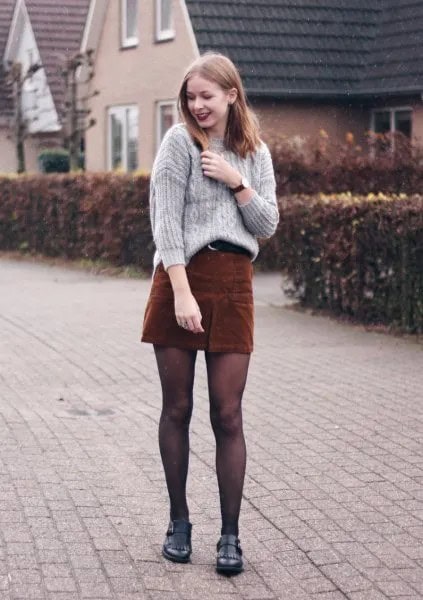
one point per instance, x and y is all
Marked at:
(212, 195)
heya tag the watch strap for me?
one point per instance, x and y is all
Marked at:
(238, 188)
(242, 186)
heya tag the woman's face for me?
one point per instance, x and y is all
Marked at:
(208, 103)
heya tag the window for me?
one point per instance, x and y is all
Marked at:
(129, 23)
(402, 122)
(382, 122)
(166, 117)
(164, 20)
(123, 138)
(392, 120)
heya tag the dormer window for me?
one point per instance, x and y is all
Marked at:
(129, 23)
(164, 20)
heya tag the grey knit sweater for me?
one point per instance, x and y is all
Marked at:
(189, 210)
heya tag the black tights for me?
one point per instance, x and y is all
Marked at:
(227, 375)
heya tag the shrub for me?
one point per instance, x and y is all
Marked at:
(352, 254)
(54, 161)
(357, 255)
(95, 216)
(319, 165)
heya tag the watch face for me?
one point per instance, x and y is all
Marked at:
(245, 183)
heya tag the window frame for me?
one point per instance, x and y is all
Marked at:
(392, 110)
(132, 41)
(159, 105)
(120, 109)
(164, 35)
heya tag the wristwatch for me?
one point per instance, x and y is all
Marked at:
(242, 186)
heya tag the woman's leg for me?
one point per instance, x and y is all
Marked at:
(176, 371)
(227, 375)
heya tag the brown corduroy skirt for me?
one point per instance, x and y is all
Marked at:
(221, 283)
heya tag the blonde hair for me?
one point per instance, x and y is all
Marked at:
(242, 131)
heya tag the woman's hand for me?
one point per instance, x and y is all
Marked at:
(216, 167)
(187, 312)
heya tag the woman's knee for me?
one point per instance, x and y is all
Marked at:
(178, 412)
(226, 420)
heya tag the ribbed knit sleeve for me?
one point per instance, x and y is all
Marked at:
(261, 213)
(167, 195)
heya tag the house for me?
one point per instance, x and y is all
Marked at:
(43, 32)
(346, 66)
(140, 59)
(7, 158)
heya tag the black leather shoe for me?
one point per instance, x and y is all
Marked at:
(177, 545)
(229, 555)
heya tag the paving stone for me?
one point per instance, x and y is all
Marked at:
(5, 582)
(157, 584)
(395, 588)
(89, 575)
(27, 591)
(163, 595)
(22, 575)
(64, 596)
(90, 589)
(368, 595)
(324, 557)
(317, 585)
(126, 584)
(23, 549)
(333, 504)
(51, 557)
(346, 577)
(329, 596)
(256, 592)
(59, 584)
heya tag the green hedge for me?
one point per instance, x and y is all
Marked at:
(361, 256)
(54, 160)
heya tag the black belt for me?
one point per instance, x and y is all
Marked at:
(223, 246)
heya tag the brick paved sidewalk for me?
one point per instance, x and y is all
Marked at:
(333, 504)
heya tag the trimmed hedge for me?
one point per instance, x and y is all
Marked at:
(94, 216)
(360, 256)
(54, 160)
(320, 165)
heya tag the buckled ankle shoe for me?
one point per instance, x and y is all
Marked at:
(177, 545)
(229, 555)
